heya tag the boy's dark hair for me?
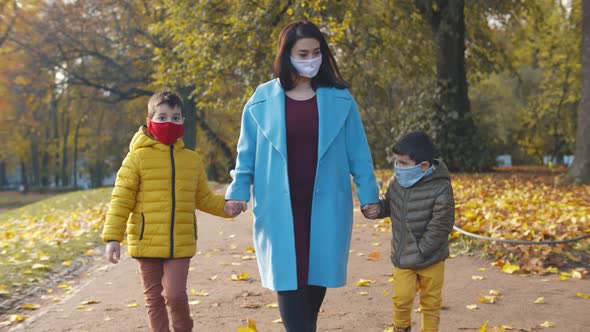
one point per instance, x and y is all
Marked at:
(169, 98)
(417, 145)
(328, 75)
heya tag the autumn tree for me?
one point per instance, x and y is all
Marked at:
(580, 171)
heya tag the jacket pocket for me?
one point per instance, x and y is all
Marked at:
(195, 225)
(142, 226)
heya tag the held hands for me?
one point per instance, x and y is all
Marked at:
(234, 208)
(113, 252)
(371, 211)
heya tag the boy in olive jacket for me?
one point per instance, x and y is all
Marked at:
(420, 202)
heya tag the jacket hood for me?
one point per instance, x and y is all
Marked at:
(143, 139)
(440, 172)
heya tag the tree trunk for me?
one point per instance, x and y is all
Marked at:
(3, 181)
(75, 154)
(190, 119)
(64, 153)
(455, 133)
(35, 161)
(579, 173)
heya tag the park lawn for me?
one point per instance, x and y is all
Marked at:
(47, 235)
(522, 203)
(13, 199)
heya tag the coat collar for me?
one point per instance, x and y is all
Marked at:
(268, 110)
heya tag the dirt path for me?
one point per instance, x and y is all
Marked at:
(222, 252)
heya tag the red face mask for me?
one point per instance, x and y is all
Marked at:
(166, 132)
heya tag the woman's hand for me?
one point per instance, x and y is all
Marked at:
(113, 252)
(234, 208)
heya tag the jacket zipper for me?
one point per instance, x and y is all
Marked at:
(173, 201)
(403, 225)
(142, 226)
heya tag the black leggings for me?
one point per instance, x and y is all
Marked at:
(299, 308)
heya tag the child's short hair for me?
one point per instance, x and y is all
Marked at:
(417, 145)
(169, 98)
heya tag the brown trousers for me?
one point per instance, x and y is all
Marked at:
(164, 284)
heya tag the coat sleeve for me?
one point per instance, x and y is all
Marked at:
(359, 158)
(205, 199)
(243, 174)
(122, 199)
(385, 211)
(441, 224)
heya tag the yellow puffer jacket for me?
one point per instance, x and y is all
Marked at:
(160, 185)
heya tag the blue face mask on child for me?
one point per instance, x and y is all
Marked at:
(408, 176)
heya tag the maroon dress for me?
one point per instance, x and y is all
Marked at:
(302, 123)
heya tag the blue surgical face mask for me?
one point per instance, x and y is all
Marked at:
(408, 176)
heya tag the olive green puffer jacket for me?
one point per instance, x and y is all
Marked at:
(422, 216)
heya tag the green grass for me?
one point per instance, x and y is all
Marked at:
(44, 236)
(12, 199)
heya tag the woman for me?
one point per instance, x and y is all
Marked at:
(301, 139)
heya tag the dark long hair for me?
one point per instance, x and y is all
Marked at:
(328, 75)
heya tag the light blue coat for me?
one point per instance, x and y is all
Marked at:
(262, 161)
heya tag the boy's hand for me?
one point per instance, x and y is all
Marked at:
(234, 208)
(113, 251)
(371, 211)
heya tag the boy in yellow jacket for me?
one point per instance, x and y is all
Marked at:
(157, 190)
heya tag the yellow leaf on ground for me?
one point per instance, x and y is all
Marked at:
(364, 282)
(484, 327)
(250, 249)
(472, 306)
(577, 274)
(548, 324)
(363, 293)
(194, 292)
(248, 258)
(540, 300)
(272, 305)
(477, 277)
(30, 306)
(278, 321)
(214, 277)
(510, 268)
(89, 302)
(240, 277)
(63, 286)
(494, 292)
(583, 295)
(66, 263)
(562, 278)
(17, 318)
(132, 305)
(489, 299)
(194, 302)
(481, 269)
(40, 267)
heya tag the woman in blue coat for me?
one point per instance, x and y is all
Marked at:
(301, 139)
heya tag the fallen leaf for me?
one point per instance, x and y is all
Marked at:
(132, 305)
(194, 302)
(272, 305)
(472, 306)
(248, 258)
(489, 299)
(214, 277)
(194, 292)
(374, 256)
(510, 268)
(240, 277)
(66, 263)
(30, 306)
(364, 282)
(494, 292)
(583, 295)
(40, 267)
(481, 269)
(250, 249)
(17, 318)
(89, 302)
(363, 293)
(278, 321)
(483, 328)
(540, 300)
(477, 277)
(547, 324)
(250, 328)
(251, 305)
